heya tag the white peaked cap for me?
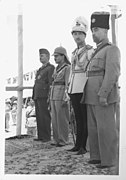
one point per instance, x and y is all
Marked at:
(80, 24)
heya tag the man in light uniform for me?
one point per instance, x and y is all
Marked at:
(101, 94)
(80, 59)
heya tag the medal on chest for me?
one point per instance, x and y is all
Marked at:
(39, 76)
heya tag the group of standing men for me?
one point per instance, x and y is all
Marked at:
(90, 81)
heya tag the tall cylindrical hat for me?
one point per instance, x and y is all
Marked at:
(100, 19)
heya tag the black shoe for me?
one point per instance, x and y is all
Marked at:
(74, 149)
(103, 166)
(94, 161)
(36, 139)
(59, 145)
(53, 144)
(45, 140)
(81, 151)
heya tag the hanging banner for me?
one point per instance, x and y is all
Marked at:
(28, 78)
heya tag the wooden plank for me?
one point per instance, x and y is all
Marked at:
(17, 88)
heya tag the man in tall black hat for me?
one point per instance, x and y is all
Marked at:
(101, 94)
(41, 88)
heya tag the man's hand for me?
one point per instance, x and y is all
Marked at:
(64, 103)
(103, 101)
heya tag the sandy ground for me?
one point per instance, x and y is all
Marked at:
(23, 155)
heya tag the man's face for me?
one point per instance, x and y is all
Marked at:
(44, 58)
(79, 37)
(59, 58)
(98, 34)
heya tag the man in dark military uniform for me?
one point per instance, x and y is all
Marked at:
(41, 88)
(101, 94)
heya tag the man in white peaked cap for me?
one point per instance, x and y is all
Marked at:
(77, 80)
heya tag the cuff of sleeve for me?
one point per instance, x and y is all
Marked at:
(103, 93)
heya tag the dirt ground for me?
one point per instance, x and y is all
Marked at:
(25, 156)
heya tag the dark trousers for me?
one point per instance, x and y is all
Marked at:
(43, 119)
(81, 120)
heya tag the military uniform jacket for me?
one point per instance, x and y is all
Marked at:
(43, 81)
(60, 83)
(106, 60)
(79, 61)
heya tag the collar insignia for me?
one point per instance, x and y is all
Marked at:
(93, 20)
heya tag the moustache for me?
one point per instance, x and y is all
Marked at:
(77, 39)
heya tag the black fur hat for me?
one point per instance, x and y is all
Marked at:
(100, 19)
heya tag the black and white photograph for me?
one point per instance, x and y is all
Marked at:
(63, 81)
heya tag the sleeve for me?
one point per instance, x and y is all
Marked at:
(33, 91)
(50, 73)
(67, 74)
(112, 71)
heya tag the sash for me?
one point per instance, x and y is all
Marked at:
(97, 50)
(58, 70)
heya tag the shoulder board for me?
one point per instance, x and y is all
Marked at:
(88, 47)
(74, 51)
(109, 43)
(51, 65)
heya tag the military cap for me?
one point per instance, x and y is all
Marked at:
(80, 24)
(61, 50)
(100, 19)
(44, 51)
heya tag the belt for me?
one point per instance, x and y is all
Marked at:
(78, 71)
(95, 73)
(58, 83)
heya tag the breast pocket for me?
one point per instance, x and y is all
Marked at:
(98, 63)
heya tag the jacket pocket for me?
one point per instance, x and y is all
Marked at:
(98, 63)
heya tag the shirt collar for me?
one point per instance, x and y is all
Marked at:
(102, 43)
(44, 65)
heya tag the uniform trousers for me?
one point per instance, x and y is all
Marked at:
(80, 112)
(43, 119)
(102, 133)
(60, 122)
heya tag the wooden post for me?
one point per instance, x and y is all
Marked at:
(114, 41)
(114, 15)
(20, 71)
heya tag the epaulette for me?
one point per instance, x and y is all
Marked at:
(88, 47)
(74, 51)
(109, 43)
